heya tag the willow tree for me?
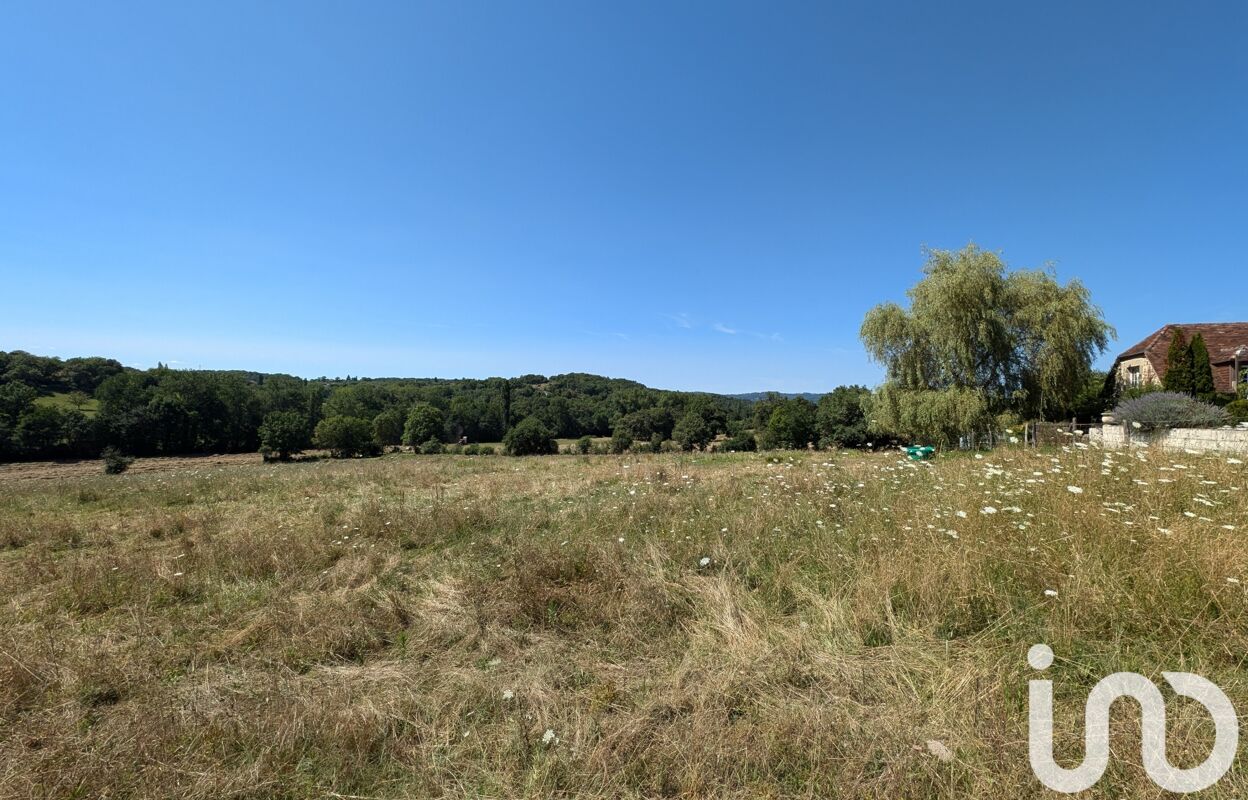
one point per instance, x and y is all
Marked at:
(980, 341)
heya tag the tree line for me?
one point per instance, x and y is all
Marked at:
(53, 408)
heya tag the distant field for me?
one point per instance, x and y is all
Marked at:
(726, 626)
(65, 402)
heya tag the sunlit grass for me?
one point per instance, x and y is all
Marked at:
(770, 625)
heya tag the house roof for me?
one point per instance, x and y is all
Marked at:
(1221, 338)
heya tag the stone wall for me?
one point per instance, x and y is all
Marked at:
(1202, 440)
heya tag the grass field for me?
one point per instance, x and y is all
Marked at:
(730, 626)
(65, 402)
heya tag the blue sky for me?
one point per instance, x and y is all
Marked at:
(694, 195)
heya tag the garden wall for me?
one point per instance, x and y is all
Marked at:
(1202, 440)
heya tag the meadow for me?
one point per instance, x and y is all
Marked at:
(771, 625)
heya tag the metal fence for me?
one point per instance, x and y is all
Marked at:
(1031, 434)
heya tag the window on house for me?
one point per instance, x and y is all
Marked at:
(1133, 376)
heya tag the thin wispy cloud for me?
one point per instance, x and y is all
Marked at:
(685, 321)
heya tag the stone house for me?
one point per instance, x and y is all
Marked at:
(1145, 362)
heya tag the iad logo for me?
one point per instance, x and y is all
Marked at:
(1153, 744)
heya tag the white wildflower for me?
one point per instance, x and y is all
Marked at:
(1050, 593)
(705, 561)
(1074, 489)
(549, 737)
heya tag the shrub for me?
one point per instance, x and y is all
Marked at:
(530, 438)
(656, 443)
(431, 447)
(1169, 410)
(1132, 392)
(472, 450)
(486, 450)
(115, 462)
(345, 437)
(284, 433)
(584, 444)
(621, 442)
(742, 443)
(1238, 411)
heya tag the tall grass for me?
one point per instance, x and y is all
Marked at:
(723, 626)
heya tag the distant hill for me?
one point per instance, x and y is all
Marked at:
(754, 397)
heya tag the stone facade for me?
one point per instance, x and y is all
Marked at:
(1136, 372)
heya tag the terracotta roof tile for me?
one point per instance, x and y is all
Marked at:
(1222, 339)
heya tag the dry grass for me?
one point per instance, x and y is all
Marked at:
(412, 627)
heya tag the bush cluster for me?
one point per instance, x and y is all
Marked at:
(1161, 410)
(530, 438)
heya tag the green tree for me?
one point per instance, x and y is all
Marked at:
(620, 442)
(80, 434)
(645, 423)
(345, 436)
(424, 422)
(15, 398)
(584, 444)
(1179, 376)
(840, 418)
(937, 416)
(791, 426)
(692, 431)
(284, 433)
(991, 339)
(39, 430)
(1202, 370)
(388, 426)
(530, 438)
